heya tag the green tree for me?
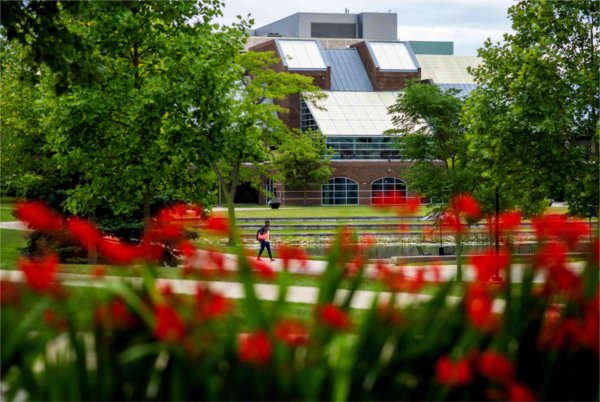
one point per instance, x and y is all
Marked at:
(302, 160)
(532, 122)
(255, 127)
(427, 130)
(129, 132)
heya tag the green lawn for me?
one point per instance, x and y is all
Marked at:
(10, 241)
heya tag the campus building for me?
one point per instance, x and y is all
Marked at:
(362, 67)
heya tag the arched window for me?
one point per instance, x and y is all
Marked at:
(388, 191)
(340, 191)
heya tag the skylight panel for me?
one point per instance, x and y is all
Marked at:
(393, 56)
(302, 54)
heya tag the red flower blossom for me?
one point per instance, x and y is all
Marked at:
(217, 224)
(9, 293)
(291, 332)
(255, 348)
(98, 272)
(478, 304)
(263, 269)
(464, 205)
(452, 222)
(288, 254)
(40, 276)
(496, 367)
(333, 317)
(114, 315)
(120, 253)
(486, 264)
(520, 393)
(211, 305)
(84, 231)
(38, 216)
(509, 221)
(552, 257)
(451, 373)
(168, 326)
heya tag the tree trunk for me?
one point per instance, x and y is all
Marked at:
(229, 194)
(147, 221)
(304, 195)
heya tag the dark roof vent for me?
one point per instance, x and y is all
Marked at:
(274, 35)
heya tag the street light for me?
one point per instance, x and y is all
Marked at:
(496, 277)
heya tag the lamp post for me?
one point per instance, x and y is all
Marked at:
(496, 277)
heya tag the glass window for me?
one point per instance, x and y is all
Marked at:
(371, 147)
(340, 191)
(388, 191)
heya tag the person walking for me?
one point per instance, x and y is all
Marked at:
(263, 236)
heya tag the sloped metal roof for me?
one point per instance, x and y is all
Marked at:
(347, 70)
(353, 113)
(301, 54)
(431, 47)
(444, 69)
(465, 89)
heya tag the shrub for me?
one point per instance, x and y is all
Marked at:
(138, 340)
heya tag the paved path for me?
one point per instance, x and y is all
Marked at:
(362, 299)
(446, 272)
(17, 225)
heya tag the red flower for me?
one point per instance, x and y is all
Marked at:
(478, 304)
(496, 367)
(255, 348)
(9, 293)
(520, 393)
(211, 305)
(453, 222)
(168, 325)
(120, 253)
(466, 206)
(38, 216)
(262, 269)
(291, 332)
(486, 264)
(40, 276)
(509, 221)
(288, 254)
(98, 272)
(451, 373)
(217, 224)
(334, 317)
(84, 231)
(552, 257)
(114, 315)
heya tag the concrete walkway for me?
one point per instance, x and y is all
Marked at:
(16, 225)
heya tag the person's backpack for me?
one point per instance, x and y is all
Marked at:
(261, 234)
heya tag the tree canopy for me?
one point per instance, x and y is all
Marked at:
(532, 122)
(428, 131)
(163, 69)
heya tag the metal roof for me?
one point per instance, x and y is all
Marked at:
(393, 56)
(465, 89)
(431, 47)
(347, 70)
(443, 69)
(353, 113)
(301, 54)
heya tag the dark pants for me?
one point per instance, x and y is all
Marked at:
(265, 244)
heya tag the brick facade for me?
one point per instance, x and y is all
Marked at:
(362, 172)
(383, 80)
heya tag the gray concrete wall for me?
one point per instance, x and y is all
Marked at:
(287, 27)
(379, 26)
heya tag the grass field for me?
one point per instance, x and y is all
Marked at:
(10, 242)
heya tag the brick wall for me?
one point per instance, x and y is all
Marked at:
(362, 172)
